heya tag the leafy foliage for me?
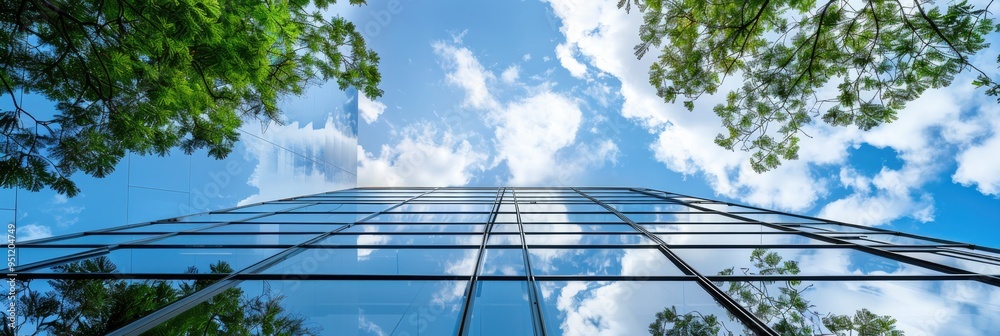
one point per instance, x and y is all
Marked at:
(99, 306)
(785, 311)
(146, 76)
(881, 54)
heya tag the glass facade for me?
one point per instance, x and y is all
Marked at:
(503, 261)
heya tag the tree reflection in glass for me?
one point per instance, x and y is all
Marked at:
(784, 310)
(99, 306)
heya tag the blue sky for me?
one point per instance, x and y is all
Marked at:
(531, 93)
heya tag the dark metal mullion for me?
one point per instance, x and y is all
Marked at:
(536, 306)
(992, 280)
(748, 318)
(470, 292)
(168, 312)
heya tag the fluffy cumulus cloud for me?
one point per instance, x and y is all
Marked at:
(467, 73)
(603, 37)
(295, 160)
(977, 164)
(535, 135)
(423, 157)
(368, 109)
(32, 232)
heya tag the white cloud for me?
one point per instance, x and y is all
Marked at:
(59, 199)
(539, 148)
(526, 57)
(468, 74)
(978, 164)
(565, 55)
(309, 160)
(422, 158)
(368, 109)
(32, 232)
(546, 58)
(511, 74)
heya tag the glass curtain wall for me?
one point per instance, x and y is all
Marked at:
(503, 261)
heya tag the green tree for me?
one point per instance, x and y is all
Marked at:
(99, 306)
(784, 310)
(146, 76)
(880, 54)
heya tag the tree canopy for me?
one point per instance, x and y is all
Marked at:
(146, 76)
(845, 62)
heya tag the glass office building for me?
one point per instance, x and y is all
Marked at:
(503, 261)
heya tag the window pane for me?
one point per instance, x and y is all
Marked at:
(28, 255)
(175, 261)
(456, 207)
(166, 227)
(406, 239)
(831, 261)
(587, 239)
(501, 308)
(503, 262)
(681, 218)
(627, 262)
(627, 307)
(708, 228)
(99, 239)
(345, 207)
(275, 227)
(379, 261)
(234, 239)
(737, 239)
(578, 228)
(420, 218)
(416, 228)
(505, 239)
(309, 218)
(967, 263)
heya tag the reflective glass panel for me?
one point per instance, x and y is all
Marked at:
(501, 308)
(180, 260)
(275, 227)
(588, 239)
(916, 307)
(627, 262)
(737, 239)
(167, 227)
(628, 308)
(967, 263)
(455, 207)
(578, 228)
(309, 218)
(267, 207)
(234, 239)
(830, 261)
(416, 228)
(379, 261)
(505, 239)
(405, 239)
(28, 255)
(734, 228)
(345, 207)
(503, 262)
(681, 218)
(99, 239)
(421, 218)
